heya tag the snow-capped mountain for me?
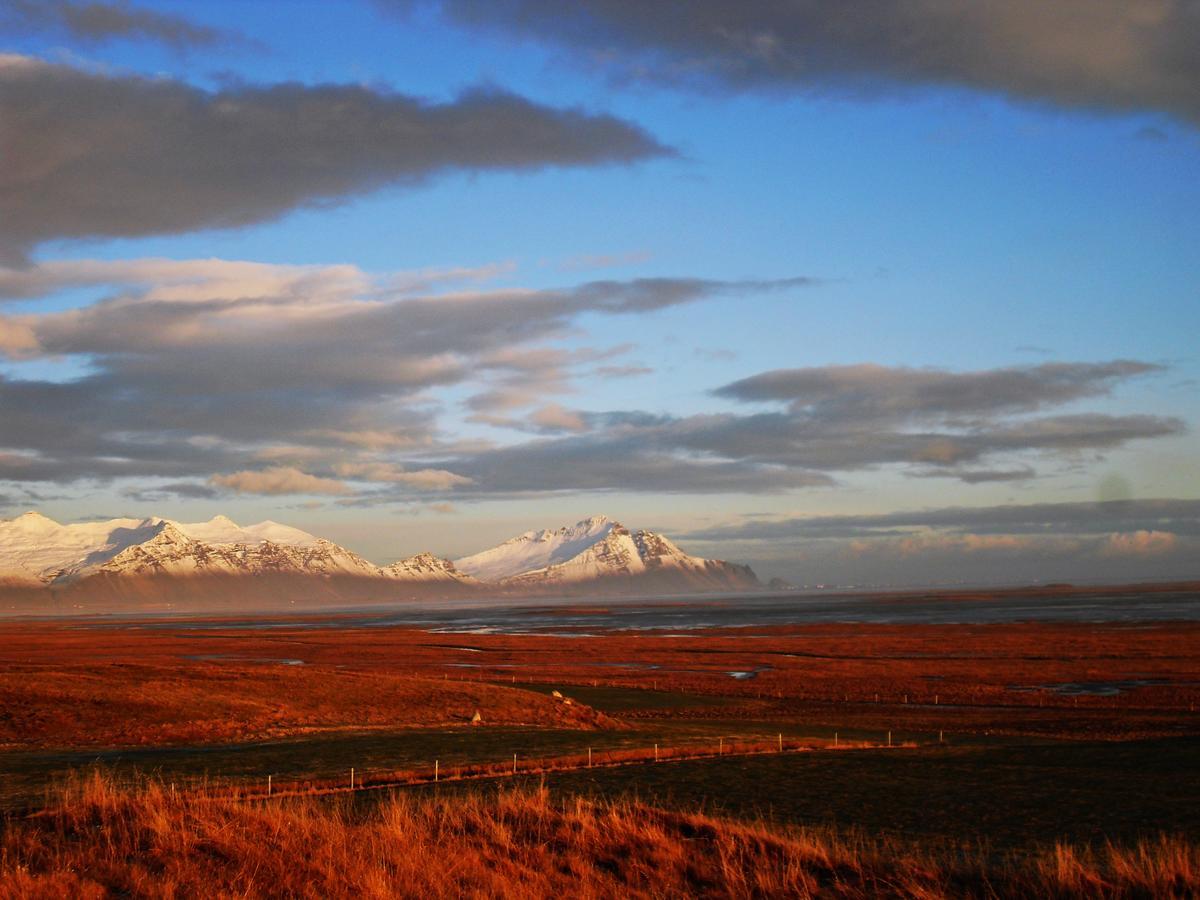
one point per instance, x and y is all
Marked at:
(38, 550)
(173, 552)
(160, 562)
(599, 549)
(535, 550)
(427, 568)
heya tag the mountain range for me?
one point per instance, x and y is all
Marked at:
(158, 561)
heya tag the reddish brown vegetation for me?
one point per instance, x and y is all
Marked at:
(100, 841)
(127, 704)
(63, 685)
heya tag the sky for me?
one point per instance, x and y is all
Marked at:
(906, 297)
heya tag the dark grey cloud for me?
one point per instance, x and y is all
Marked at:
(1111, 55)
(783, 439)
(979, 476)
(98, 22)
(250, 373)
(977, 427)
(869, 393)
(948, 423)
(1150, 515)
(613, 462)
(715, 454)
(187, 490)
(209, 368)
(90, 154)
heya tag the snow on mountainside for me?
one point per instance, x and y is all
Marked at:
(172, 552)
(614, 554)
(38, 550)
(427, 567)
(223, 530)
(535, 550)
(606, 550)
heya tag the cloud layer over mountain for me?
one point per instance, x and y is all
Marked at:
(294, 379)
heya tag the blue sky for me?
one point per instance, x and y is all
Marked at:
(959, 226)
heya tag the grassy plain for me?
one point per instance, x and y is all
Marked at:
(1019, 737)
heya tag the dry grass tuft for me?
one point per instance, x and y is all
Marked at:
(101, 840)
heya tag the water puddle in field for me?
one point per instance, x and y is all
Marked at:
(1089, 688)
(747, 674)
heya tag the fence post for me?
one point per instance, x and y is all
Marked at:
(514, 764)
(268, 786)
(889, 739)
(436, 765)
(720, 746)
(656, 752)
(352, 778)
(835, 739)
(781, 742)
(589, 757)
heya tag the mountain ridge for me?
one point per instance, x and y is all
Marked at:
(596, 552)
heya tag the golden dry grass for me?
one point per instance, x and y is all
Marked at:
(100, 840)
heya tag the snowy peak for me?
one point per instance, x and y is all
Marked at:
(535, 550)
(37, 551)
(427, 567)
(599, 548)
(223, 530)
(615, 554)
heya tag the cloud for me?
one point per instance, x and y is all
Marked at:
(17, 340)
(98, 22)
(1148, 539)
(613, 460)
(1035, 519)
(552, 418)
(194, 367)
(208, 280)
(422, 479)
(1106, 55)
(1141, 543)
(90, 154)
(862, 393)
(279, 480)
(184, 489)
(977, 427)
(978, 476)
(946, 423)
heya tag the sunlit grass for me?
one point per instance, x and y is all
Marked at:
(99, 839)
